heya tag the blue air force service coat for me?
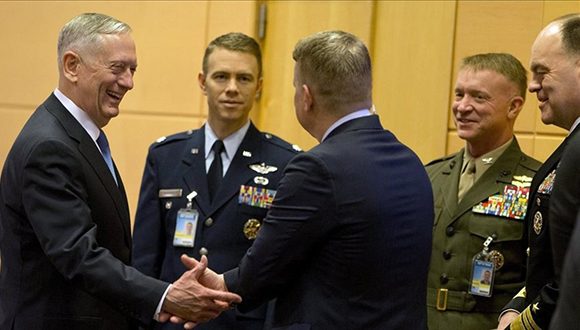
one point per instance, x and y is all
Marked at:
(175, 168)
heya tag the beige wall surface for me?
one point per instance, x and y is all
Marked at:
(416, 47)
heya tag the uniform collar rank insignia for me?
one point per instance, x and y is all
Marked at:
(246, 153)
(522, 181)
(487, 161)
(194, 151)
(263, 168)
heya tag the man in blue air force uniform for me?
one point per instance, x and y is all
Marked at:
(219, 179)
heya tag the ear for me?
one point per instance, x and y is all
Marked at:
(70, 66)
(259, 87)
(201, 81)
(307, 98)
(515, 106)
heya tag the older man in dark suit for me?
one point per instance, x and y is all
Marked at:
(346, 243)
(65, 233)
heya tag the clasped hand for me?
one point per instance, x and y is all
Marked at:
(198, 296)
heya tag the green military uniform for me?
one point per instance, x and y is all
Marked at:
(460, 230)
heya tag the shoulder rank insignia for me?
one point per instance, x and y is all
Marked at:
(161, 139)
(263, 168)
(511, 204)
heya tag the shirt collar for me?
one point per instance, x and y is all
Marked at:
(81, 116)
(231, 142)
(348, 117)
(485, 161)
(574, 125)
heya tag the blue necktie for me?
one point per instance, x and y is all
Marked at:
(106, 152)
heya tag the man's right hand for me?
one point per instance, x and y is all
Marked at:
(190, 300)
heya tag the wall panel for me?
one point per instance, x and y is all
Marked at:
(288, 21)
(411, 89)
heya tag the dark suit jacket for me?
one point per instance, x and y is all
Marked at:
(171, 164)
(541, 285)
(565, 201)
(65, 234)
(567, 314)
(459, 233)
(347, 241)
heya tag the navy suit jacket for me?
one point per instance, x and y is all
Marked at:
(178, 162)
(347, 241)
(65, 234)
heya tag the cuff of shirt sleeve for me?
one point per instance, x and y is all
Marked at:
(158, 310)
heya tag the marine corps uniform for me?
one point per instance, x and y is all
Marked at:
(226, 228)
(459, 233)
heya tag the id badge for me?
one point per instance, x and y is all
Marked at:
(482, 274)
(185, 227)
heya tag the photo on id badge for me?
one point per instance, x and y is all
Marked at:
(185, 226)
(481, 278)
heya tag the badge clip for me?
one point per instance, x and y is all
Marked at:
(190, 198)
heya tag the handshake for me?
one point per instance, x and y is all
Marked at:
(198, 296)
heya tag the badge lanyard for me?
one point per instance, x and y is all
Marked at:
(482, 271)
(186, 224)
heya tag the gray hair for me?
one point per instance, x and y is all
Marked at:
(337, 67)
(86, 30)
(502, 63)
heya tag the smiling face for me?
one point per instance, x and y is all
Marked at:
(230, 84)
(105, 74)
(555, 78)
(485, 107)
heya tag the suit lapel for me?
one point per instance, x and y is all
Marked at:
(450, 183)
(92, 155)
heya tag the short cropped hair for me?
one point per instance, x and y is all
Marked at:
(86, 30)
(502, 63)
(336, 65)
(237, 42)
(570, 33)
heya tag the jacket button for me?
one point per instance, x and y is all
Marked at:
(443, 278)
(450, 231)
(203, 251)
(538, 201)
(208, 222)
(446, 255)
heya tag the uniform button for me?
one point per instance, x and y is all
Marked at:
(208, 222)
(450, 231)
(203, 251)
(446, 255)
(443, 278)
(538, 201)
